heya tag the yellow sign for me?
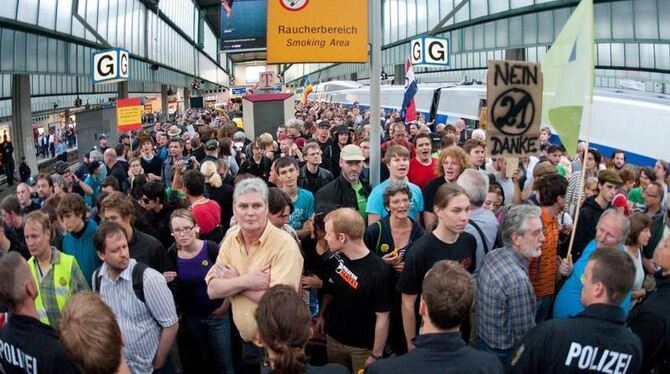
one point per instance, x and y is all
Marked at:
(129, 114)
(317, 31)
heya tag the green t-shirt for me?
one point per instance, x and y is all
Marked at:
(362, 200)
(635, 195)
(560, 169)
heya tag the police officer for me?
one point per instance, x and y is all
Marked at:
(651, 319)
(595, 340)
(446, 301)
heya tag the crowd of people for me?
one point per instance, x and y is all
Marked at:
(51, 143)
(191, 247)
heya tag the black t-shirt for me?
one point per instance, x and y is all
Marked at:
(224, 196)
(429, 193)
(29, 346)
(360, 288)
(147, 250)
(426, 251)
(154, 166)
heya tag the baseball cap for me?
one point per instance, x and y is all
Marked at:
(102, 136)
(342, 129)
(352, 152)
(212, 144)
(610, 176)
(321, 123)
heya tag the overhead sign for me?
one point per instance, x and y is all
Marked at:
(129, 114)
(317, 31)
(243, 25)
(430, 51)
(266, 80)
(110, 66)
(514, 101)
(239, 91)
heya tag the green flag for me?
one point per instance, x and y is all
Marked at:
(568, 76)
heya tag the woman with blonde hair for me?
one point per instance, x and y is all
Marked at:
(218, 191)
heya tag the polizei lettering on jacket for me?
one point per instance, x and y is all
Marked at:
(587, 357)
(16, 357)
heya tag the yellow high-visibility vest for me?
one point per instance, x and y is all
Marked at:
(62, 272)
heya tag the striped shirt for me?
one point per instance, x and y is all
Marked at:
(542, 270)
(140, 323)
(505, 301)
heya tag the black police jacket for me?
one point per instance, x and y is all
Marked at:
(439, 353)
(651, 322)
(594, 341)
(29, 346)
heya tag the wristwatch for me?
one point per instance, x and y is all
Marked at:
(376, 357)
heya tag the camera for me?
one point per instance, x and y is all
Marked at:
(188, 164)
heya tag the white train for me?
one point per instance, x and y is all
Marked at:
(637, 122)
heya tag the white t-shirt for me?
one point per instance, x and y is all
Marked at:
(639, 270)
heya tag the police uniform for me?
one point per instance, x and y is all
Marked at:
(651, 322)
(594, 341)
(28, 346)
(441, 353)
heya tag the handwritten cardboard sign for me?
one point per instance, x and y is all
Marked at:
(514, 102)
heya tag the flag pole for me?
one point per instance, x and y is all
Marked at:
(580, 185)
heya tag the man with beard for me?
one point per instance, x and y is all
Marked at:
(618, 160)
(611, 231)
(505, 301)
(349, 189)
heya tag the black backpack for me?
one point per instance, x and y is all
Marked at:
(137, 277)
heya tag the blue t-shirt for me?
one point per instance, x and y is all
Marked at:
(569, 299)
(81, 246)
(94, 183)
(376, 201)
(303, 209)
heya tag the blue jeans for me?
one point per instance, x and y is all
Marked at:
(210, 337)
(502, 354)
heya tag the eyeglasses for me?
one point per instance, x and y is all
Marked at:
(182, 230)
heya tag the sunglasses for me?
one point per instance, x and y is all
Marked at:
(146, 200)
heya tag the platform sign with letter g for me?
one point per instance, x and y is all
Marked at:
(110, 66)
(430, 51)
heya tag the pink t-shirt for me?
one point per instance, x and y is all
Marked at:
(420, 174)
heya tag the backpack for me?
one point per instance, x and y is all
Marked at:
(137, 277)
